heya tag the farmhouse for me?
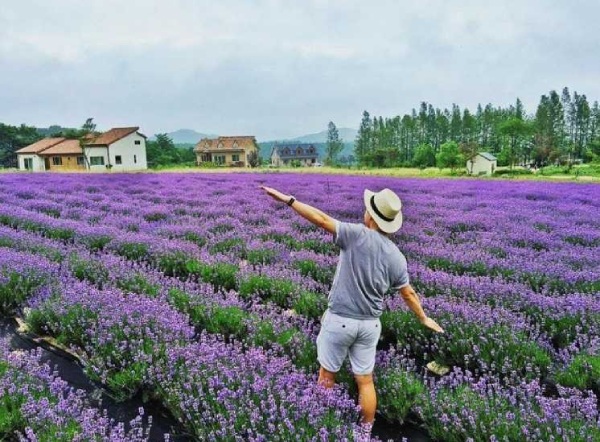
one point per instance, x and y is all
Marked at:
(299, 153)
(233, 151)
(482, 164)
(121, 149)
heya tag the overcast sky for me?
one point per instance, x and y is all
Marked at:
(278, 69)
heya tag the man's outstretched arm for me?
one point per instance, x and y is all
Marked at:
(310, 213)
(412, 301)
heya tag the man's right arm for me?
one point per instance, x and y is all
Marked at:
(414, 304)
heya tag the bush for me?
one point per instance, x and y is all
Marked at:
(583, 373)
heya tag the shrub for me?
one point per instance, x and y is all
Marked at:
(583, 373)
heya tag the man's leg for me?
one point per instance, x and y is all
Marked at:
(367, 398)
(326, 378)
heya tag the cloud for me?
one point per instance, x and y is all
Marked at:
(276, 68)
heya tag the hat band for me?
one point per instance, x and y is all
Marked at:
(377, 212)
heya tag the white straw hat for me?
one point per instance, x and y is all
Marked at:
(385, 208)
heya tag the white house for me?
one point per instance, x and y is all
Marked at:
(28, 158)
(482, 164)
(119, 149)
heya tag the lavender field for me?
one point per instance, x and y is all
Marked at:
(202, 296)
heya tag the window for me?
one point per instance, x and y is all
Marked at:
(135, 159)
(28, 163)
(137, 142)
(80, 161)
(118, 159)
(96, 161)
(219, 159)
(235, 157)
(56, 161)
(299, 152)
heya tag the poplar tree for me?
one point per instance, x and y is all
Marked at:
(334, 144)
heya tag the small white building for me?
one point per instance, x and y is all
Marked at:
(119, 149)
(482, 164)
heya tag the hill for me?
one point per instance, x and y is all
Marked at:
(186, 136)
(346, 134)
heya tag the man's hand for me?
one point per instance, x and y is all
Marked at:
(431, 324)
(276, 194)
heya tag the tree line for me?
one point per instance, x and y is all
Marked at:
(564, 129)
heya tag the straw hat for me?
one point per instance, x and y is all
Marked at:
(385, 208)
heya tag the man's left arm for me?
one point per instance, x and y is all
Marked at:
(306, 211)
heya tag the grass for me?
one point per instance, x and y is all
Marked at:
(583, 173)
(578, 173)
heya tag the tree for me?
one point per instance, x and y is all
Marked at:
(516, 130)
(253, 159)
(13, 138)
(364, 140)
(449, 156)
(334, 144)
(162, 151)
(424, 156)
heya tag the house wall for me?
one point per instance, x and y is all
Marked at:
(481, 166)
(69, 162)
(38, 162)
(243, 157)
(133, 156)
(96, 152)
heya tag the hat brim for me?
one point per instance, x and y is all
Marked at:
(385, 226)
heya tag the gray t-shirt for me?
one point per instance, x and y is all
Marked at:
(369, 265)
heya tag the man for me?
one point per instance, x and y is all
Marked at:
(369, 265)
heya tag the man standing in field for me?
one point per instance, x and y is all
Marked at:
(369, 265)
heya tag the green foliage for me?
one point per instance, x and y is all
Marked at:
(449, 156)
(163, 152)
(13, 138)
(424, 156)
(90, 270)
(309, 268)
(133, 251)
(468, 344)
(261, 256)
(275, 290)
(16, 288)
(309, 304)
(398, 391)
(231, 246)
(334, 144)
(137, 283)
(583, 373)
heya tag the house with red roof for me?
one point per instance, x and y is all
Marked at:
(232, 151)
(119, 149)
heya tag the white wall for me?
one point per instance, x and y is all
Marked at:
(481, 165)
(96, 152)
(133, 156)
(38, 162)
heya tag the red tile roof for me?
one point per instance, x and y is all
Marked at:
(40, 145)
(112, 136)
(67, 147)
(240, 142)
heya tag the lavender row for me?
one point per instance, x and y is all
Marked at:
(36, 404)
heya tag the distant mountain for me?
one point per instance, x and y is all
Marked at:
(266, 148)
(319, 140)
(186, 136)
(346, 134)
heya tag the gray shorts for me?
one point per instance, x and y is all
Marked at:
(340, 337)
